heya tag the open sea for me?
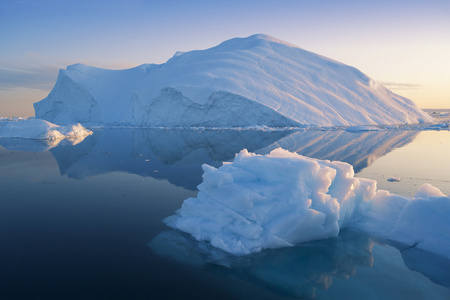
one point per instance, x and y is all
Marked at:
(84, 221)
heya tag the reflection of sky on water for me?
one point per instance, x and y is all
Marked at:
(425, 160)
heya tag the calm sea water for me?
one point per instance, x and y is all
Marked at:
(85, 221)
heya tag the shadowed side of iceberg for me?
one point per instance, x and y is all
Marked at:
(223, 109)
(67, 102)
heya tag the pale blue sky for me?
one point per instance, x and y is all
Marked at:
(403, 44)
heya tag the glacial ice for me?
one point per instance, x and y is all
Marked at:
(420, 222)
(41, 130)
(281, 199)
(253, 81)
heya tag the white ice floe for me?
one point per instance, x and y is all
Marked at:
(253, 81)
(281, 199)
(41, 130)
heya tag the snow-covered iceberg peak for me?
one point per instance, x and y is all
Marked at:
(281, 199)
(258, 80)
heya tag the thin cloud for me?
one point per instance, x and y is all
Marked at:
(33, 77)
(401, 86)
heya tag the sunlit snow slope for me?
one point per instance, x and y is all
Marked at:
(258, 80)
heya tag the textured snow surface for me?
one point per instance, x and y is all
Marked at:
(40, 130)
(282, 199)
(253, 81)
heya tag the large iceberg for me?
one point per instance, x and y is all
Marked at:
(281, 199)
(253, 81)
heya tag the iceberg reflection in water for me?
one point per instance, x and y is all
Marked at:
(360, 149)
(172, 153)
(325, 269)
(298, 271)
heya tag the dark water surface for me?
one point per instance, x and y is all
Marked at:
(85, 222)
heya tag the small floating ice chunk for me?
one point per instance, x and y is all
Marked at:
(394, 179)
(41, 130)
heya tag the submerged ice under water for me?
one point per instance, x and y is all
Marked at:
(76, 220)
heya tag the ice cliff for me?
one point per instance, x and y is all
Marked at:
(258, 80)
